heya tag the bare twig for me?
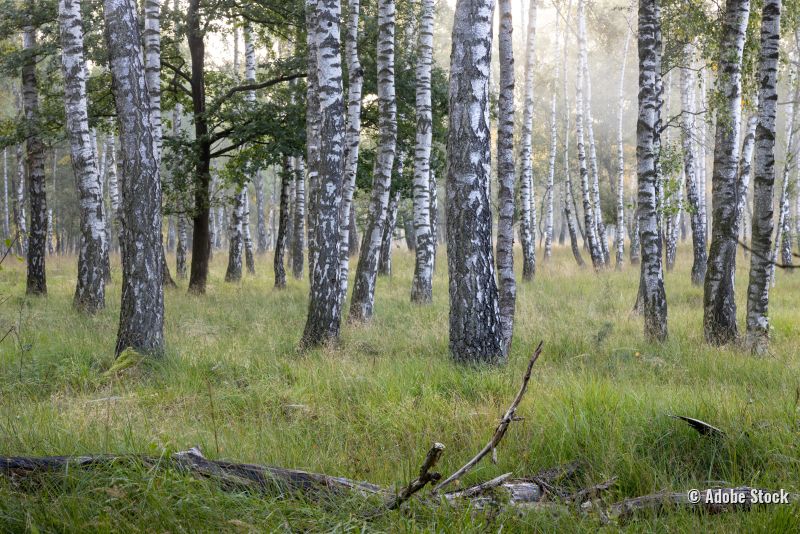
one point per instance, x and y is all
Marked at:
(478, 489)
(500, 431)
(425, 476)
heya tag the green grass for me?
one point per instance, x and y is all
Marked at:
(373, 406)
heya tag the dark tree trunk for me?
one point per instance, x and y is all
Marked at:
(283, 224)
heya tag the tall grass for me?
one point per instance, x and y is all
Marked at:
(370, 408)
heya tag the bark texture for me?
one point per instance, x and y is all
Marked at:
(141, 325)
(90, 287)
(652, 297)
(719, 314)
(527, 229)
(363, 301)
(283, 225)
(620, 231)
(757, 337)
(475, 332)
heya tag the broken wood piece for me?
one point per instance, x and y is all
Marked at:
(701, 426)
(500, 431)
(478, 489)
(425, 476)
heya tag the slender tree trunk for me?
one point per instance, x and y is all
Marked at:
(507, 295)
(590, 225)
(620, 232)
(141, 325)
(355, 242)
(355, 73)
(90, 288)
(527, 204)
(652, 297)
(719, 317)
(549, 194)
(182, 247)
(475, 330)
(363, 301)
(688, 129)
(324, 308)
(6, 227)
(34, 167)
(18, 208)
(424, 238)
(201, 244)
(435, 228)
(262, 236)
(385, 261)
(113, 187)
(299, 232)
(764, 180)
(569, 199)
(283, 223)
(235, 238)
(746, 167)
(313, 140)
(247, 238)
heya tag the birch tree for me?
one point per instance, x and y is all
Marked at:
(385, 258)
(688, 129)
(6, 227)
(363, 300)
(262, 236)
(182, 244)
(422, 284)
(283, 224)
(299, 232)
(569, 201)
(527, 229)
(34, 169)
(620, 231)
(505, 167)
(719, 316)
(324, 308)
(590, 224)
(475, 331)
(549, 193)
(141, 325)
(652, 297)
(235, 238)
(90, 287)
(757, 336)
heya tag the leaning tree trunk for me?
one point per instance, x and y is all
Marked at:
(764, 180)
(719, 316)
(141, 324)
(385, 261)
(283, 224)
(422, 284)
(299, 230)
(324, 308)
(34, 169)
(652, 298)
(507, 296)
(690, 170)
(475, 331)
(355, 84)
(90, 287)
(526, 230)
(620, 232)
(590, 225)
(363, 300)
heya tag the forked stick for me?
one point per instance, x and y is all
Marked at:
(501, 428)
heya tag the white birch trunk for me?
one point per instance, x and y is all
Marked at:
(620, 232)
(299, 231)
(527, 202)
(90, 287)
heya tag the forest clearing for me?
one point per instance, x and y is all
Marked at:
(234, 385)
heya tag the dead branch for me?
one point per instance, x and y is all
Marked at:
(500, 431)
(425, 476)
(700, 426)
(478, 489)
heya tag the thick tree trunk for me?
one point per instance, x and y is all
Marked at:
(324, 308)
(422, 284)
(283, 224)
(527, 203)
(764, 180)
(652, 298)
(201, 244)
(620, 232)
(385, 261)
(688, 129)
(299, 230)
(475, 331)
(507, 295)
(347, 228)
(34, 169)
(363, 301)
(141, 325)
(719, 317)
(90, 288)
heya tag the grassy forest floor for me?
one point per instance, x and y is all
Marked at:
(234, 384)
